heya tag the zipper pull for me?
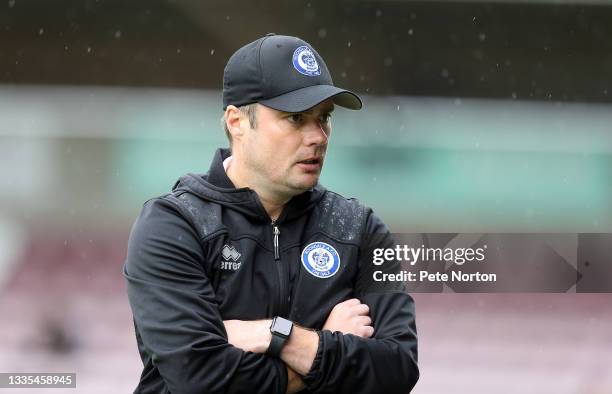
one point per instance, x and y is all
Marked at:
(276, 234)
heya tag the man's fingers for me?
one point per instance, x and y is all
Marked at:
(365, 320)
(366, 331)
(361, 309)
(351, 302)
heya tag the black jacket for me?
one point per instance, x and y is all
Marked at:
(206, 252)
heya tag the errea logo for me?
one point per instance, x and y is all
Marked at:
(230, 258)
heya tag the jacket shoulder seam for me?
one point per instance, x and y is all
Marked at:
(172, 198)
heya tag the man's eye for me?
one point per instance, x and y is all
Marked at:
(295, 118)
(325, 118)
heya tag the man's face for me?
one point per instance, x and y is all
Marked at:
(285, 152)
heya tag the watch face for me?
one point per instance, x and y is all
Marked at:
(282, 326)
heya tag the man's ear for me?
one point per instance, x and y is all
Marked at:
(233, 121)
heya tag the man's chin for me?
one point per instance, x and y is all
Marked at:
(305, 184)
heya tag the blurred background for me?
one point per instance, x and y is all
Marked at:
(479, 117)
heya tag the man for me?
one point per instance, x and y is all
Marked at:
(253, 278)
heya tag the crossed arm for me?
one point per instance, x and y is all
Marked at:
(348, 317)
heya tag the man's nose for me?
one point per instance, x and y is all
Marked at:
(316, 133)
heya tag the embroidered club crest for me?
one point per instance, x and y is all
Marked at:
(321, 259)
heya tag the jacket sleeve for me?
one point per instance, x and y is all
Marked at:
(176, 314)
(385, 363)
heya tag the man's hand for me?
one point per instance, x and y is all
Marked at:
(350, 317)
(294, 382)
(249, 335)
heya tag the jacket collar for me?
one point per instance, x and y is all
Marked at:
(216, 173)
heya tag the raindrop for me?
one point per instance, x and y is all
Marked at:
(227, 18)
(178, 50)
(11, 3)
(482, 36)
(458, 101)
(212, 52)
(398, 107)
(118, 34)
(388, 61)
(378, 13)
(444, 73)
(343, 74)
(410, 31)
(514, 95)
(41, 31)
(322, 33)
(88, 49)
(348, 44)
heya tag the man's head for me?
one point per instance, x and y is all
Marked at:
(278, 96)
(284, 151)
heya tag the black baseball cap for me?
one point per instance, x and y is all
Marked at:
(281, 72)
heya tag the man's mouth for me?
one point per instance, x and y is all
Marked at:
(313, 160)
(311, 164)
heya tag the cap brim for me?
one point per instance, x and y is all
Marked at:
(306, 98)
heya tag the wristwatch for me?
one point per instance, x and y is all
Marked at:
(280, 329)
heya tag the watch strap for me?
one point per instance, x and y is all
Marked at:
(276, 345)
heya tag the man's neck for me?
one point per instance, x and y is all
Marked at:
(273, 204)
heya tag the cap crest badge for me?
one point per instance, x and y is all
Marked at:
(304, 61)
